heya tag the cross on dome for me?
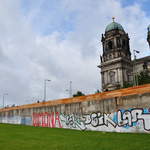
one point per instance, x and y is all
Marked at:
(113, 18)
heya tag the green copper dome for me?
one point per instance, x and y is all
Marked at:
(113, 26)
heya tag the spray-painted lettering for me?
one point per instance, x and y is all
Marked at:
(129, 117)
(51, 120)
(99, 119)
(73, 121)
(129, 120)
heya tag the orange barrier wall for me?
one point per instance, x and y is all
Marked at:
(99, 96)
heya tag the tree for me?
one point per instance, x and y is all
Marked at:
(143, 78)
(127, 84)
(79, 93)
(98, 91)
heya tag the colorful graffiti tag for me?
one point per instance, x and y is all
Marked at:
(134, 117)
(72, 121)
(99, 119)
(131, 120)
(47, 119)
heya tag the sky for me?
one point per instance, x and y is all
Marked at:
(61, 41)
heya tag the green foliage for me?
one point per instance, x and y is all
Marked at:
(98, 91)
(127, 84)
(18, 137)
(79, 93)
(143, 78)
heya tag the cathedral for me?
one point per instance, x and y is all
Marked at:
(117, 67)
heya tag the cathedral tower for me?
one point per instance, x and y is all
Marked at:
(116, 65)
(148, 35)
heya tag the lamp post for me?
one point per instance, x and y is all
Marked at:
(135, 78)
(4, 99)
(44, 99)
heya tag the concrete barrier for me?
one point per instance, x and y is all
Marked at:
(125, 110)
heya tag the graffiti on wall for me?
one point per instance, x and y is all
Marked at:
(47, 119)
(99, 119)
(131, 119)
(73, 121)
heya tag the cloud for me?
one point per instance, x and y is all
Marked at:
(60, 41)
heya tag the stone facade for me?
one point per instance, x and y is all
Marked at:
(117, 68)
(142, 64)
(116, 64)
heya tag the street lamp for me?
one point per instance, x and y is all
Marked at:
(44, 99)
(135, 78)
(4, 94)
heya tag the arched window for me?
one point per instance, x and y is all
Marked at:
(118, 43)
(112, 76)
(110, 56)
(110, 45)
(123, 43)
(129, 76)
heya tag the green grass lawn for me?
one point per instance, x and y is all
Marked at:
(16, 137)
